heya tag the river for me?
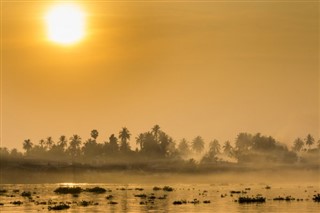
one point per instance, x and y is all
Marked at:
(131, 198)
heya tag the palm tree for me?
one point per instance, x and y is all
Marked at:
(198, 144)
(58, 150)
(309, 140)
(227, 148)
(140, 140)
(94, 134)
(150, 146)
(165, 143)
(42, 143)
(155, 131)
(74, 146)
(90, 148)
(62, 142)
(27, 145)
(49, 143)
(244, 142)
(214, 147)
(297, 145)
(113, 144)
(211, 155)
(124, 136)
(183, 147)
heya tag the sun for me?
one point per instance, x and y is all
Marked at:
(65, 24)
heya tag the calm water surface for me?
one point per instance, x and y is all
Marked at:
(127, 202)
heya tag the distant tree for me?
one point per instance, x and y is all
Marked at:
(49, 143)
(211, 155)
(263, 143)
(243, 142)
(227, 148)
(318, 145)
(58, 150)
(297, 145)
(262, 149)
(4, 152)
(214, 147)
(198, 144)
(113, 144)
(41, 152)
(171, 150)
(42, 143)
(74, 146)
(155, 131)
(90, 148)
(62, 143)
(94, 134)
(150, 146)
(309, 140)
(166, 144)
(140, 140)
(183, 147)
(27, 145)
(124, 136)
(15, 153)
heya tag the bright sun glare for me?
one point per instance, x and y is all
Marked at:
(65, 24)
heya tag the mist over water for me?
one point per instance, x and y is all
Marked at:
(137, 185)
(279, 175)
(159, 158)
(236, 82)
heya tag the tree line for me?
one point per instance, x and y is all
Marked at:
(158, 145)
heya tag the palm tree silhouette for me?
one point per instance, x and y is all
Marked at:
(124, 136)
(62, 142)
(113, 144)
(165, 141)
(227, 148)
(155, 131)
(243, 142)
(90, 148)
(42, 143)
(211, 155)
(297, 145)
(214, 147)
(74, 146)
(49, 143)
(58, 150)
(198, 144)
(309, 140)
(94, 134)
(140, 140)
(183, 147)
(27, 145)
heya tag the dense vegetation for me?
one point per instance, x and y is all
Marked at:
(157, 149)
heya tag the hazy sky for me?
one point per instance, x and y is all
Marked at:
(195, 68)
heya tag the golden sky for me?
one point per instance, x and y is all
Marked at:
(195, 68)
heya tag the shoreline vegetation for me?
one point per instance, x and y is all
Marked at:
(158, 153)
(73, 174)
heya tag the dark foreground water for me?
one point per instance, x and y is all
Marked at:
(125, 199)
